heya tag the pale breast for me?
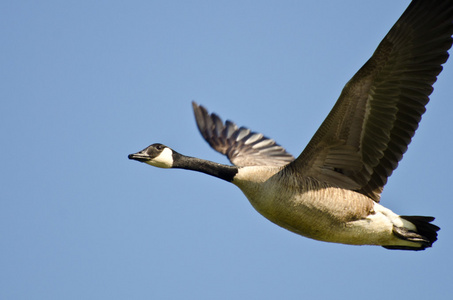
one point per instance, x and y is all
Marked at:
(302, 205)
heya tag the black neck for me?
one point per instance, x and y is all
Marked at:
(224, 172)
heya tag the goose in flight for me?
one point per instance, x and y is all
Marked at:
(331, 191)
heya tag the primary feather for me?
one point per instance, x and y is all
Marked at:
(242, 146)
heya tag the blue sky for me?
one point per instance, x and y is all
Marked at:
(85, 83)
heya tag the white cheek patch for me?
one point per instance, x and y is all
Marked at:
(163, 160)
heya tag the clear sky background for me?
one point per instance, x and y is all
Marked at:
(85, 83)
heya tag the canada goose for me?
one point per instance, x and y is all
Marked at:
(331, 191)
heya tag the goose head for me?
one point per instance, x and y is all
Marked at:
(161, 156)
(156, 155)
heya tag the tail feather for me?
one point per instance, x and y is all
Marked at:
(425, 234)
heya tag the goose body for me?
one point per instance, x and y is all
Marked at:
(320, 211)
(331, 191)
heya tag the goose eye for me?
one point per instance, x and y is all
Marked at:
(159, 147)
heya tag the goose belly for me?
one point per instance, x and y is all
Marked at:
(328, 213)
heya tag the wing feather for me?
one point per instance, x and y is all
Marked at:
(242, 146)
(367, 132)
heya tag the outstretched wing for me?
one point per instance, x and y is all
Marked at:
(242, 146)
(365, 135)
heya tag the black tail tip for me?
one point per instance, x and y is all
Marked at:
(426, 233)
